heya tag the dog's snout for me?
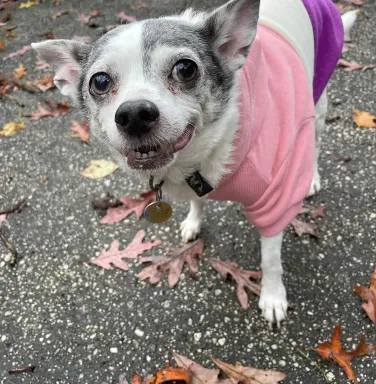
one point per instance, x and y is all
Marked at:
(136, 118)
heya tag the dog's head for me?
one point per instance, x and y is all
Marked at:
(154, 89)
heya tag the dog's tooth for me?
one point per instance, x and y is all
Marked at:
(138, 155)
(151, 153)
(144, 155)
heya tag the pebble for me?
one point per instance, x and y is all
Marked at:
(197, 337)
(222, 341)
(139, 333)
(114, 350)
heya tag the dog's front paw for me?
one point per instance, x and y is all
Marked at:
(273, 303)
(190, 229)
(315, 185)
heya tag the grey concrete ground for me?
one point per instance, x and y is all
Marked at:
(79, 324)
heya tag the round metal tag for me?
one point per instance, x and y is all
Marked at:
(158, 213)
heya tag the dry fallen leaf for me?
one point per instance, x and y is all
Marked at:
(7, 4)
(86, 19)
(115, 257)
(54, 110)
(11, 128)
(3, 217)
(28, 4)
(356, 2)
(139, 6)
(333, 350)
(369, 295)
(199, 374)
(364, 119)
(79, 131)
(241, 276)
(2, 46)
(98, 169)
(19, 72)
(246, 375)
(4, 85)
(353, 65)
(44, 84)
(63, 13)
(82, 39)
(303, 227)
(19, 52)
(318, 211)
(136, 206)
(125, 18)
(172, 263)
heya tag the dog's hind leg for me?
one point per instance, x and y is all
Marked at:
(191, 226)
(321, 111)
(273, 301)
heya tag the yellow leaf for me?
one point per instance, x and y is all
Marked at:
(364, 119)
(11, 128)
(99, 169)
(28, 4)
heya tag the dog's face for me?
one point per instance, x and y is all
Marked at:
(153, 89)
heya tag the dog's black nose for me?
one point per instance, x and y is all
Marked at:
(136, 118)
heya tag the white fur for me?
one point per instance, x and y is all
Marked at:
(191, 226)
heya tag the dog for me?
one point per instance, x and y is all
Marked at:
(226, 105)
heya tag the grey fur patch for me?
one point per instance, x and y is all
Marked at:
(173, 33)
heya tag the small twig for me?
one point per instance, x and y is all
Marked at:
(313, 362)
(16, 208)
(12, 249)
(29, 368)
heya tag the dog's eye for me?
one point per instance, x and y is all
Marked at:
(100, 84)
(185, 70)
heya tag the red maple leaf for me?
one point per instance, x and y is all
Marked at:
(318, 211)
(333, 350)
(116, 215)
(172, 263)
(241, 276)
(79, 131)
(125, 18)
(115, 257)
(55, 110)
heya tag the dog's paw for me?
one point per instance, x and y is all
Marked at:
(315, 185)
(190, 229)
(273, 303)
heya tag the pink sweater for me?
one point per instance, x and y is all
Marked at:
(272, 164)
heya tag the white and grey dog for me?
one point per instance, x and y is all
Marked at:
(169, 98)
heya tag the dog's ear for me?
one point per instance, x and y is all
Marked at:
(232, 29)
(67, 58)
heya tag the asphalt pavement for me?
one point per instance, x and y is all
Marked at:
(79, 324)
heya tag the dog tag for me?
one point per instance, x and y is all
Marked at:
(158, 212)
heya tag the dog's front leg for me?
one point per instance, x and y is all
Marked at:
(273, 301)
(191, 226)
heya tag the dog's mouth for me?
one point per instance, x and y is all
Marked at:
(158, 156)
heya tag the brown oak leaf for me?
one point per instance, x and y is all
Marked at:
(7, 4)
(63, 13)
(113, 256)
(318, 211)
(79, 131)
(239, 374)
(139, 5)
(199, 374)
(333, 350)
(54, 110)
(125, 18)
(352, 65)
(136, 206)
(369, 295)
(19, 52)
(172, 263)
(241, 276)
(44, 84)
(19, 72)
(4, 85)
(303, 227)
